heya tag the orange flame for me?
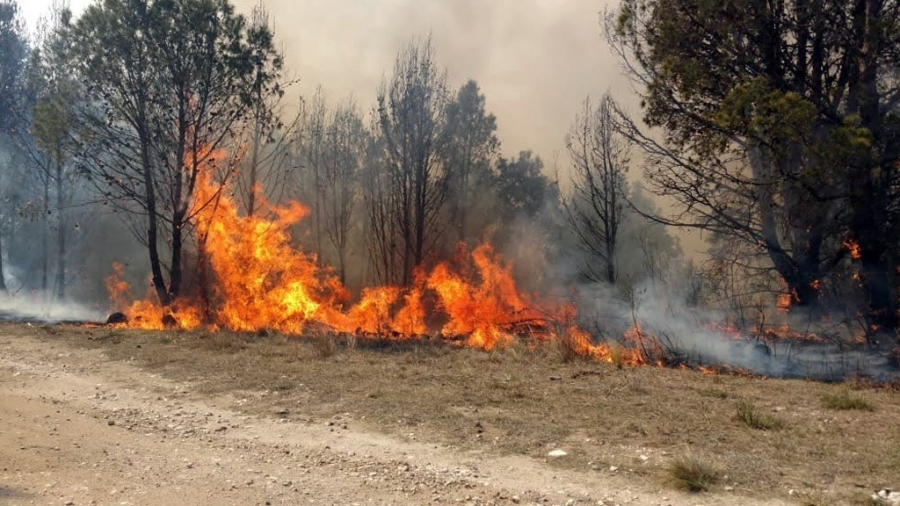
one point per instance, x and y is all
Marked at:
(260, 281)
(854, 249)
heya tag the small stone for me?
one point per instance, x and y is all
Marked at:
(557, 453)
(613, 469)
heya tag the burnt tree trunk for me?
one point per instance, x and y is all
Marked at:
(870, 200)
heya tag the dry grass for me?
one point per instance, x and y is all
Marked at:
(528, 400)
(748, 414)
(844, 401)
(691, 473)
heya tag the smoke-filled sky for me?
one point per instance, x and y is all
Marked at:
(535, 60)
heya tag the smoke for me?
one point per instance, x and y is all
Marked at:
(695, 336)
(535, 60)
(38, 308)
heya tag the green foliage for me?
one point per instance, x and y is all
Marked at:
(755, 109)
(522, 187)
(172, 82)
(13, 55)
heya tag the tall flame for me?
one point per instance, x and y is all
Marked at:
(260, 281)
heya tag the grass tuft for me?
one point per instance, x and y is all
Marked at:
(326, 345)
(753, 418)
(691, 474)
(843, 401)
(617, 354)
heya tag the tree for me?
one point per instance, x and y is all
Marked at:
(780, 123)
(334, 148)
(173, 79)
(267, 139)
(310, 159)
(594, 208)
(412, 118)
(472, 146)
(522, 188)
(52, 143)
(529, 223)
(346, 153)
(13, 56)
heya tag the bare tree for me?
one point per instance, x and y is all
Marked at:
(268, 139)
(309, 159)
(594, 208)
(412, 118)
(346, 145)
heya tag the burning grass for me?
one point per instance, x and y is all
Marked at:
(528, 399)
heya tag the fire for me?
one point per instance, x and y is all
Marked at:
(260, 281)
(485, 309)
(854, 249)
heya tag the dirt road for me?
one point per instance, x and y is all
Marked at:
(77, 428)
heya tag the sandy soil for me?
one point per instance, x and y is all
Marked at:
(77, 428)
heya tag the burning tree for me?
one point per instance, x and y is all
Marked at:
(333, 147)
(780, 129)
(171, 81)
(405, 211)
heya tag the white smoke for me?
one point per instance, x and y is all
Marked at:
(40, 308)
(692, 336)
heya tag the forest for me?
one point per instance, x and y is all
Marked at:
(162, 142)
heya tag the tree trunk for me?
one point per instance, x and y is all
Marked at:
(799, 274)
(159, 283)
(254, 162)
(60, 235)
(175, 276)
(870, 202)
(3, 289)
(45, 237)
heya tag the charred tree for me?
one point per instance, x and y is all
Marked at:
(594, 209)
